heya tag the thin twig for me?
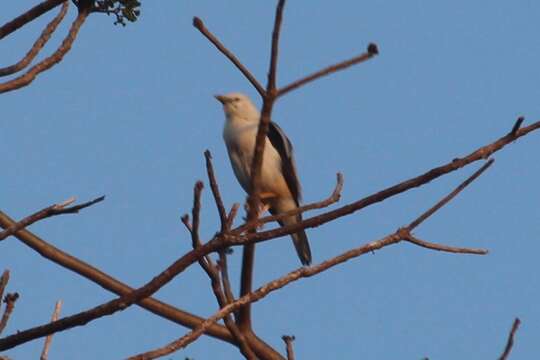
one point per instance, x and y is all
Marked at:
(48, 339)
(50, 61)
(226, 283)
(28, 16)
(371, 52)
(50, 211)
(231, 216)
(517, 125)
(440, 247)
(198, 23)
(450, 196)
(38, 44)
(215, 190)
(4, 279)
(272, 73)
(195, 213)
(210, 268)
(510, 341)
(9, 300)
(288, 339)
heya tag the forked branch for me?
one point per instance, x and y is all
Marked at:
(303, 272)
(50, 61)
(50, 211)
(28, 16)
(38, 45)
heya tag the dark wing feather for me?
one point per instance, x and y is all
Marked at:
(282, 144)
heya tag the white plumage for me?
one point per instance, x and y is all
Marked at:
(280, 188)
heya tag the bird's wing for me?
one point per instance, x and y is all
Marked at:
(283, 146)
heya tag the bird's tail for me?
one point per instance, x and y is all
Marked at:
(301, 245)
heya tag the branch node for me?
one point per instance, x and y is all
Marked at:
(373, 49)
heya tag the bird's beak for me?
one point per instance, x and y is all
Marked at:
(222, 99)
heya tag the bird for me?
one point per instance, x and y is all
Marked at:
(280, 189)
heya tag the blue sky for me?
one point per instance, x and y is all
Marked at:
(129, 112)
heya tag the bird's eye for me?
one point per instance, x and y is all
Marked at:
(236, 99)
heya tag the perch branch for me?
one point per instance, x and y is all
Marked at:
(221, 241)
(333, 198)
(248, 255)
(303, 272)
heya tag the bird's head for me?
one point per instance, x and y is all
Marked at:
(238, 107)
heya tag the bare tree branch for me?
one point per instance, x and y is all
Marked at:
(510, 341)
(210, 268)
(109, 283)
(222, 241)
(50, 61)
(481, 153)
(371, 52)
(517, 125)
(439, 247)
(50, 211)
(215, 190)
(248, 255)
(48, 339)
(38, 45)
(9, 300)
(450, 196)
(289, 346)
(4, 279)
(28, 16)
(303, 272)
(198, 23)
